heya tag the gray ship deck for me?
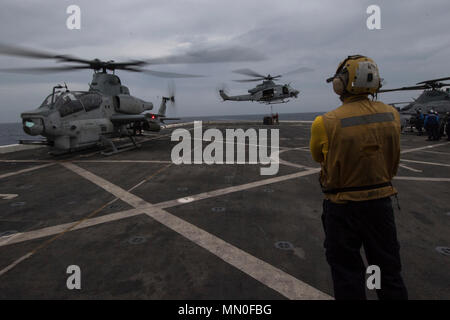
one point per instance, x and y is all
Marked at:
(140, 227)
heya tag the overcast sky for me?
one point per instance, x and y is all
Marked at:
(413, 45)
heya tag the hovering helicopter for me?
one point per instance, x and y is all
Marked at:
(74, 120)
(432, 98)
(268, 92)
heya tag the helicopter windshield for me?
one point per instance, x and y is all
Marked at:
(68, 103)
(48, 101)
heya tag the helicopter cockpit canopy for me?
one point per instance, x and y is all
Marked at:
(71, 102)
(68, 103)
(48, 101)
(432, 95)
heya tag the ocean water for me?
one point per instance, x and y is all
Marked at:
(11, 133)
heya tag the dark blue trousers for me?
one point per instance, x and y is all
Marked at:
(367, 224)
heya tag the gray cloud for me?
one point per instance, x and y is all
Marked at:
(413, 45)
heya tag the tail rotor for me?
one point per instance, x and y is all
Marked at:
(223, 91)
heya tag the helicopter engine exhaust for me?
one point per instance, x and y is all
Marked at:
(130, 105)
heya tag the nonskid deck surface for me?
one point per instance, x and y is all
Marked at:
(141, 227)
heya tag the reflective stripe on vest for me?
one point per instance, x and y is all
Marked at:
(367, 119)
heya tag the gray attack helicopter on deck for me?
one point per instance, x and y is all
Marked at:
(433, 97)
(74, 120)
(268, 92)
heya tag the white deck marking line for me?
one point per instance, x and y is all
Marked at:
(122, 161)
(424, 162)
(294, 165)
(423, 179)
(72, 226)
(35, 234)
(144, 140)
(93, 161)
(15, 263)
(297, 121)
(265, 273)
(272, 277)
(237, 143)
(242, 187)
(30, 161)
(287, 163)
(306, 149)
(6, 196)
(424, 147)
(50, 231)
(31, 235)
(25, 170)
(435, 152)
(409, 168)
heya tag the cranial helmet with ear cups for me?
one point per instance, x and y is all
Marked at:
(356, 75)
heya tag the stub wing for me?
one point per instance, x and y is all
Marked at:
(121, 119)
(127, 118)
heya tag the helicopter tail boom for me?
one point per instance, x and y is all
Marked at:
(163, 107)
(245, 97)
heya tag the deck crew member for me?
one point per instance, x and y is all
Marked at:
(419, 121)
(358, 147)
(447, 125)
(431, 124)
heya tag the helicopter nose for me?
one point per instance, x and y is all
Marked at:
(295, 93)
(33, 126)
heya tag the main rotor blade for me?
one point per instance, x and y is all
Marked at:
(234, 54)
(434, 80)
(171, 88)
(38, 70)
(163, 74)
(422, 87)
(136, 63)
(299, 70)
(249, 80)
(17, 51)
(406, 102)
(9, 50)
(249, 72)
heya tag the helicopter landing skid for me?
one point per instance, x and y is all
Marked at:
(269, 103)
(118, 149)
